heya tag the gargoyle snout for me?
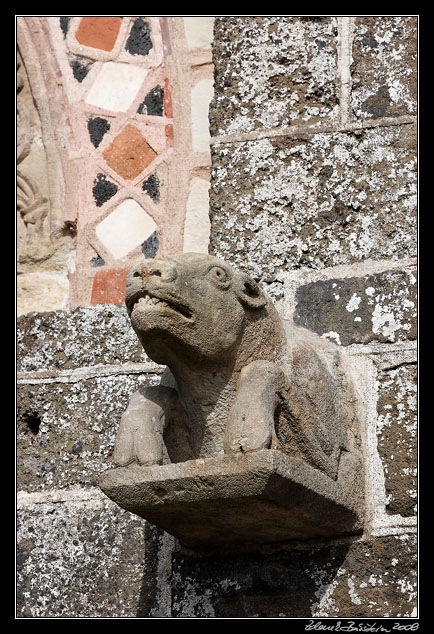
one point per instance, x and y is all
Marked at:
(156, 270)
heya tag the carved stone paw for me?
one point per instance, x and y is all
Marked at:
(247, 431)
(140, 437)
(251, 420)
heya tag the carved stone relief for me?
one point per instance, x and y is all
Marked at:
(245, 404)
(32, 186)
(44, 238)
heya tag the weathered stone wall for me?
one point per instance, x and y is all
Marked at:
(78, 553)
(313, 191)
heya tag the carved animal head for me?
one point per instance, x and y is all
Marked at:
(197, 306)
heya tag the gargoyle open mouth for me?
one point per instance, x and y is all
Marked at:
(145, 299)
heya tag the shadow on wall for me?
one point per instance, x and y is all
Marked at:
(149, 600)
(284, 584)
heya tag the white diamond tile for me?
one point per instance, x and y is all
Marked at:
(125, 228)
(116, 86)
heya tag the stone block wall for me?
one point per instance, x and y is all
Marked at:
(314, 192)
(311, 181)
(78, 554)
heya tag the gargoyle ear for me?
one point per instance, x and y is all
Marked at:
(250, 293)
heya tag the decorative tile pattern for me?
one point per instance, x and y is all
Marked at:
(79, 70)
(152, 187)
(97, 128)
(109, 286)
(103, 190)
(136, 93)
(150, 246)
(201, 96)
(153, 103)
(197, 222)
(199, 31)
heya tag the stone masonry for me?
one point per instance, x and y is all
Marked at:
(311, 183)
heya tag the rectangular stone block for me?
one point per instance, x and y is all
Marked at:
(370, 578)
(273, 71)
(82, 558)
(237, 501)
(397, 437)
(66, 431)
(80, 337)
(384, 68)
(380, 307)
(314, 202)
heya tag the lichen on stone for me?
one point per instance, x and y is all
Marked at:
(313, 203)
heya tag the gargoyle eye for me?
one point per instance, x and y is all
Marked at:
(218, 274)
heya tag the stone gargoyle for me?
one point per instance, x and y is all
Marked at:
(238, 381)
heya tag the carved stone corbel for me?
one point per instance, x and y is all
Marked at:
(252, 437)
